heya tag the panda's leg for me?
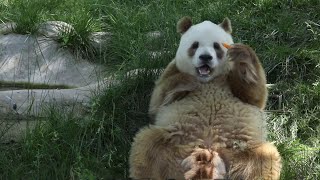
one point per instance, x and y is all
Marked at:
(147, 153)
(155, 153)
(262, 162)
(247, 78)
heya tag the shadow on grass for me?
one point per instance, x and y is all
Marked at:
(66, 146)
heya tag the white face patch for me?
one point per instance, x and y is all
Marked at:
(201, 53)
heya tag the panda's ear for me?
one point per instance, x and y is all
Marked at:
(184, 24)
(226, 25)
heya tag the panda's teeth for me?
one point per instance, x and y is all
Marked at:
(204, 70)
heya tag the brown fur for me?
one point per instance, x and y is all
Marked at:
(184, 24)
(193, 48)
(172, 85)
(218, 50)
(247, 79)
(192, 135)
(226, 25)
(203, 164)
(208, 130)
(260, 162)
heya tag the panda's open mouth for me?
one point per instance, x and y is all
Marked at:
(204, 70)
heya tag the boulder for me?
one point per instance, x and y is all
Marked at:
(18, 108)
(40, 61)
(26, 58)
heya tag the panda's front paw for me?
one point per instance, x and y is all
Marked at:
(203, 164)
(244, 63)
(180, 86)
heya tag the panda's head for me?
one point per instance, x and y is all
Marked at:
(200, 51)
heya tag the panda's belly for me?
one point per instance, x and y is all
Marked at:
(213, 108)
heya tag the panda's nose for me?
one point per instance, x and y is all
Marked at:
(205, 57)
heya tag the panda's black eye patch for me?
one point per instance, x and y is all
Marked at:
(195, 45)
(216, 45)
(218, 49)
(192, 50)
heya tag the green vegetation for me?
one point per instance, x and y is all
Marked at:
(29, 14)
(285, 34)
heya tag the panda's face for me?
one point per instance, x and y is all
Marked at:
(201, 52)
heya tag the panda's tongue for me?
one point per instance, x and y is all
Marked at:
(204, 70)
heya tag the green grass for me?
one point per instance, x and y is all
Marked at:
(29, 14)
(285, 35)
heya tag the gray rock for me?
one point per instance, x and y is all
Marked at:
(28, 101)
(54, 29)
(25, 58)
(100, 40)
(18, 108)
(7, 28)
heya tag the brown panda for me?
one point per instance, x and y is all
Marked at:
(246, 79)
(207, 109)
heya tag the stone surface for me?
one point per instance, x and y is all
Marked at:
(26, 58)
(19, 107)
(100, 40)
(54, 29)
(6, 28)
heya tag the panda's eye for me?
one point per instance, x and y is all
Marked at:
(195, 45)
(216, 45)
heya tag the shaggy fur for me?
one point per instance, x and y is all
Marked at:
(202, 130)
(210, 119)
(172, 85)
(247, 79)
